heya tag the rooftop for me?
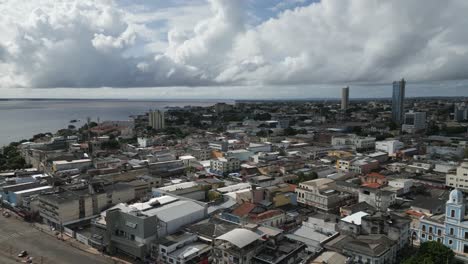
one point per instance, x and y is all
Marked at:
(354, 218)
(240, 237)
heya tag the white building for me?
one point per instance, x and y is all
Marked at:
(389, 146)
(81, 164)
(224, 165)
(135, 228)
(187, 160)
(355, 141)
(460, 179)
(240, 154)
(404, 184)
(321, 194)
(258, 147)
(414, 122)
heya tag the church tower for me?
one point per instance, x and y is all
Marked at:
(455, 207)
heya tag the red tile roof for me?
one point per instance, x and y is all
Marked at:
(376, 175)
(243, 209)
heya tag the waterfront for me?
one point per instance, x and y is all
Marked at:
(21, 119)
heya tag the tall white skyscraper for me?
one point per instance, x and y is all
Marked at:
(344, 98)
(156, 119)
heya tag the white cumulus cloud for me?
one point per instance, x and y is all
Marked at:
(94, 43)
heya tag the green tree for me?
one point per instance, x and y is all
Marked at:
(289, 131)
(432, 252)
(303, 177)
(110, 144)
(392, 125)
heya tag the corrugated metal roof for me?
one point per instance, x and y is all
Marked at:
(175, 210)
(240, 237)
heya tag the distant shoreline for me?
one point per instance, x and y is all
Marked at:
(231, 100)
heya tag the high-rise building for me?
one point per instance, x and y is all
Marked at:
(344, 98)
(460, 113)
(414, 122)
(156, 119)
(398, 101)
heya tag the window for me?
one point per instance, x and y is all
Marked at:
(132, 237)
(430, 229)
(450, 242)
(163, 250)
(439, 232)
(452, 213)
(424, 228)
(430, 238)
(423, 235)
(439, 240)
(451, 231)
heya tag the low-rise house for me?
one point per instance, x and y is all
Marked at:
(321, 194)
(183, 248)
(223, 166)
(373, 180)
(237, 246)
(166, 168)
(428, 205)
(372, 249)
(188, 160)
(371, 238)
(354, 141)
(314, 233)
(380, 199)
(357, 165)
(81, 164)
(358, 207)
(389, 146)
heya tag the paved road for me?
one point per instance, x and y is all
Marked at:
(17, 235)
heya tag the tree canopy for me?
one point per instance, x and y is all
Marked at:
(432, 252)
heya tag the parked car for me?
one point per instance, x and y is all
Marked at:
(22, 254)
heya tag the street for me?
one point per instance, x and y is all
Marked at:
(17, 235)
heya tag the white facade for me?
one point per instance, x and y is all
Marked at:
(414, 121)
(224, 165)
(187, 160)
(81, 164)
(389, 146)
(354, 140)
(460, 179)
(404, 184)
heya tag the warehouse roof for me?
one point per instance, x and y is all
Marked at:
(175, 210)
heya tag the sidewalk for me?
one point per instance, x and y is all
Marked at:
(75, 243)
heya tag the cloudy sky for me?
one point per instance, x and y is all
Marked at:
(231, 48)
